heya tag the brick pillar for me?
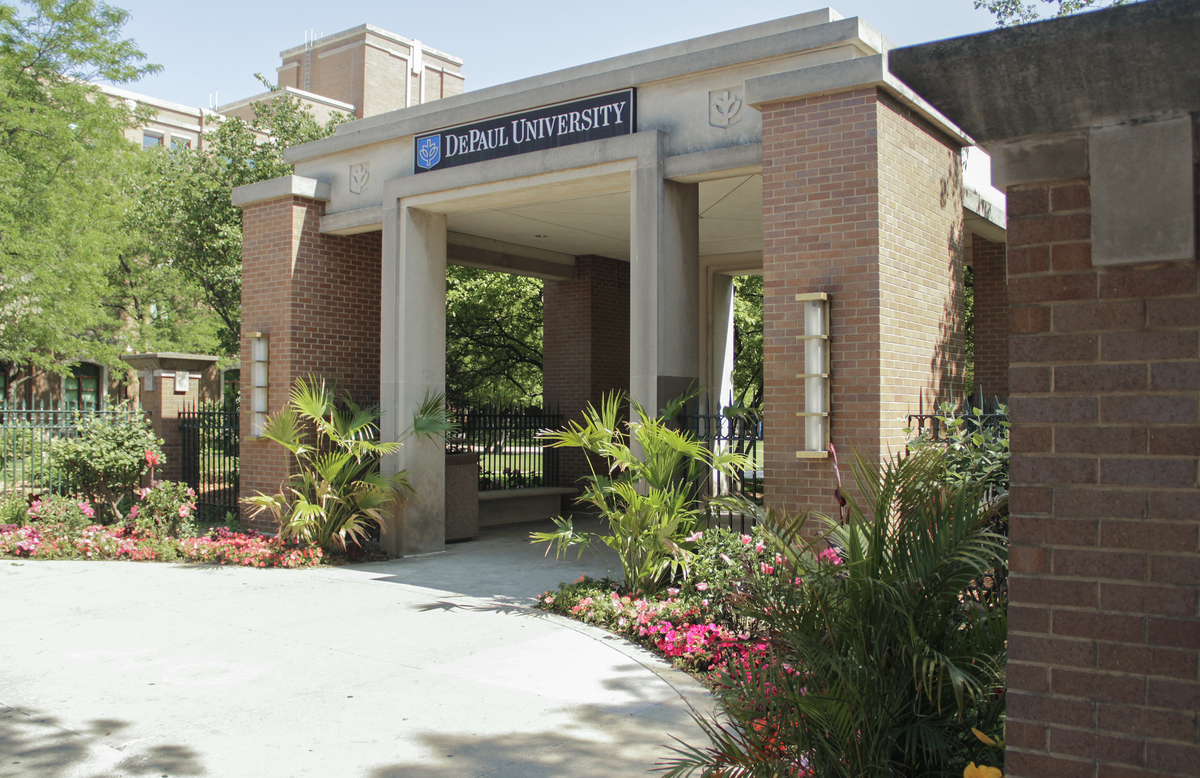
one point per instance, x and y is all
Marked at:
(861, 200)
(316, 297)
(163, 403)
(1104, 639)
(991, 317)
(585, 345)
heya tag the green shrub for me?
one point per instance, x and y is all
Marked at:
(166, 511)
(12, 510)
(63, 513)
(107, 459)
(883, 654)
(336, 495)
(648, 491)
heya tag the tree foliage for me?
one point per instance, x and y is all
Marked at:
(493, 338)
(68, 174)
(1010, 12)
(192, 232)
(747, 342)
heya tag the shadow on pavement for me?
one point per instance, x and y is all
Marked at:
(35, 746)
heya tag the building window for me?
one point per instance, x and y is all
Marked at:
(81, 389)
(815, 341)
(151, 140)
(179, 144)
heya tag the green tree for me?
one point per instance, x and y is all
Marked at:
(67, 177)
(747, 342)
(493, 337)
(192, 232)
(1010, 12)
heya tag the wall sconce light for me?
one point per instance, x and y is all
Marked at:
(815, 309)
(258, 382)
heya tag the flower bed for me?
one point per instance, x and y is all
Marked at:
(95, 542)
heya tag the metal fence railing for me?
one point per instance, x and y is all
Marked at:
(27, 434)
(506, 440)
(210, 459)
(931, 425)
(741, 435)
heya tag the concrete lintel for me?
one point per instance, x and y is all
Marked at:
(834, 77)
(984, 217)
(1034, 160)
(813, 31)
(714, 163)
(469, 256)
(1142, 192)
(287, 186)
(353, 222)
(641, 148)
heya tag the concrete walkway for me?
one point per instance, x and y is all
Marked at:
(428, 667)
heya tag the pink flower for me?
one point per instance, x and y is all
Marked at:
(759, 547)
(726, 558)
(746, 540)
(151, 458)
(672, 591)
(702, 587)
(767, 569)
(133, 512)
(183, 511)
(87, 509)
(694, 537)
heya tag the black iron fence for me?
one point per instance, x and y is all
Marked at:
(931, 425)
(210, 459)
(739, 435)
(27, 434)
(506, 440)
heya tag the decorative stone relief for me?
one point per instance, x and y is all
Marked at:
(360, 176)
(725, 107)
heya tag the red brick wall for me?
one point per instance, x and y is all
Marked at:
(862, 201)
(991, 317)
(317, 296)
(585, 351)
(1104, 640)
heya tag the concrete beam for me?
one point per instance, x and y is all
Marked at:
(486, 259)
(1066, 74)
(1035, 160)
(353, 222)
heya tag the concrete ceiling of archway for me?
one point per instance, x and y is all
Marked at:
(730, 221)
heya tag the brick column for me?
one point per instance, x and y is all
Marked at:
(585, 345)
(1104, 639)
(991, 317)
(316, 297)
(861, 200)
(163, 404)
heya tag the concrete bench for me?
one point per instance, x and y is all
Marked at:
(512, 506)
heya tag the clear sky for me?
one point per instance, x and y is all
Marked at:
(220, 44)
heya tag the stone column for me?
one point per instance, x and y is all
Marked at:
(664, 287)
(720, 383)
(413, 366)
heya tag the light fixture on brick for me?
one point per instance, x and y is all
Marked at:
(815, 341)
(258, 382)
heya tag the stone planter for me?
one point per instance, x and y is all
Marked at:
(462, 497)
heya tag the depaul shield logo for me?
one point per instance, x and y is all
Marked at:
(429, 151)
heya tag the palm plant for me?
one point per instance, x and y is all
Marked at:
(336, 495)
(648, 489)
(882, 659)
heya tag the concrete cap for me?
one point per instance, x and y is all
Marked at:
(276, 188)
(168, 360)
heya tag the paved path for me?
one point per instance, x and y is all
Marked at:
(428, 667)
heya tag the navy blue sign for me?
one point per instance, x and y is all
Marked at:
(579, 121)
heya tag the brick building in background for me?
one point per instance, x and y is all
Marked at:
(1092, 122)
